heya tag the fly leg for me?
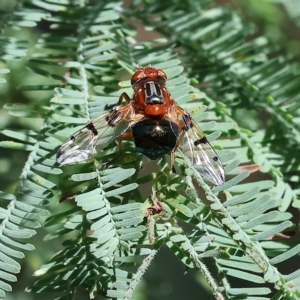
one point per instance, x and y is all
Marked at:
(122, 96)
(121, 137)
(173, 161)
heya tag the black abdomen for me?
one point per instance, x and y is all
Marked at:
(155, 138)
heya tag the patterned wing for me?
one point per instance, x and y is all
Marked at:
(82, 144)
(195, 146)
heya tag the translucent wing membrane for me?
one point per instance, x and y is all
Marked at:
(198, 150)
(99, 132)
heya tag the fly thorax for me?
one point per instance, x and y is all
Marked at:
(153, 93)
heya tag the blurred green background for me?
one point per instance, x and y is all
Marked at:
(278, 20)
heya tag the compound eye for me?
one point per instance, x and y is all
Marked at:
(162, 74)
(137, 76)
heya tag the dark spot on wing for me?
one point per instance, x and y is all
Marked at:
(58, 155)
(187, 122)
(216, 158)
(72, 138)
(201, 141)
(92, 128)
(112, 117)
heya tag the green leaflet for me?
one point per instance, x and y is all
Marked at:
(4, 71)
(83, 177)
(274, 230)
(120, 176)
(243, 275)
(259, 220)
(250, 291)
(17, 146)
(124, 189)
(244, 263)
